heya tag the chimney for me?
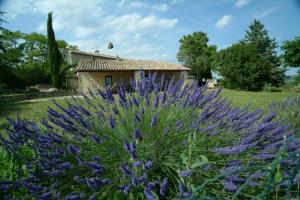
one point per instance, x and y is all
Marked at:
(97, 51)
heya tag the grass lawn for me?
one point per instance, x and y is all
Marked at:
(257, 99)
(37, 110)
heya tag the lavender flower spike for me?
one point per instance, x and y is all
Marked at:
(73, 149)
(163, 187)
(148, 165)
(154, 121)
(185, 173)
(137, 134)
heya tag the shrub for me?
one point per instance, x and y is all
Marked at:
(270, 88)
(148, 143)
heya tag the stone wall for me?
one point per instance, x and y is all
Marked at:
(95, 80)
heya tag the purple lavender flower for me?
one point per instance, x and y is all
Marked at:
(96, 138)
(133, 151)
(96, 183)
(186, 173)
(137, 163)
(156, 101)
(73, 149)
(164, 187)
(154, 121)
(148, 165)
(94, 196)
(126, 170)
(149, 191)
(126, 146)
(125, 189)
(230, 186)
(45, 196)
(137, 134)
(95, 166)
(65, 166)
(46, 123)
(137, 117)
(149, 194)
(73, 197)
(270, 117)
(136, 101)
(265, 156)
(182, 191)
(206, 167)
(96, 158)
(112, 122)
(115, 110)
(6, 186)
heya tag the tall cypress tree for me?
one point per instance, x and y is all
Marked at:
(55, 58)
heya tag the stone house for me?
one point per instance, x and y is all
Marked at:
(95, 70)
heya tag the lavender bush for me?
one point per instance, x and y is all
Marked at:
(158, 141)
(289, 109)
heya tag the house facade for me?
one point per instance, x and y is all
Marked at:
(95, 70)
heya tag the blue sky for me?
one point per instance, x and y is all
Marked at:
(151, 29)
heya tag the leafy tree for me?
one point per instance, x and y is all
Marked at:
(251, 63)
(2, 29)
(195, 53)
(291, 52)
(242, 67)
(10, 59)
(266, 47)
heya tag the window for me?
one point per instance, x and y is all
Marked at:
(108, 80)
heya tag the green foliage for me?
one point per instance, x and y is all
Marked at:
(2, 21)
(24, 58)
(197, 54)
(8, 166)
(10, 58)
(251, 63)
(55, 57)
(270, 88)
(291, 52)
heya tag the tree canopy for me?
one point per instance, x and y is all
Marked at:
(197, 54)
(291, 52)
(24, 58)
(251, 63)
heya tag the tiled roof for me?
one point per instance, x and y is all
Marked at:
(92, 54)
(127, 65)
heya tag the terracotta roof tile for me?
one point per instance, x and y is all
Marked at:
(127, 65)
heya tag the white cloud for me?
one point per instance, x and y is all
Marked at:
(90, 27)
(121, 3)
(136, 23)
(177, 1)
(224, 21)
(86, 44)
(137, 4)
(241, 3)
(266, 13)
(161, 7)
(81, 31)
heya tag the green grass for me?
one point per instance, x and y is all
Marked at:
(37, 110)
(257, 99)
(30, 110)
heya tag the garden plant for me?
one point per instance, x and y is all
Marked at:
(160, 140)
